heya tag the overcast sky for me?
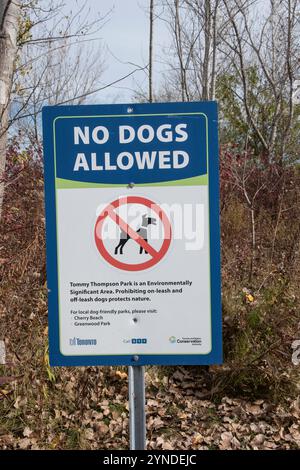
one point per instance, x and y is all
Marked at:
(125, 38)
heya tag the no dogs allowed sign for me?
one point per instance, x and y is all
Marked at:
(133, 242)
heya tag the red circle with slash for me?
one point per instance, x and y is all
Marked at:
(109, 211)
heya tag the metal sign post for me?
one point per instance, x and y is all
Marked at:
(137, 420)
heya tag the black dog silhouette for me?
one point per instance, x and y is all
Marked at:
(124, 237)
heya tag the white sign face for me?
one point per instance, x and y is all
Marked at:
(132, 235)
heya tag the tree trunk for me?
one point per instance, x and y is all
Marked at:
(178, 39)
(9, 14)
(151, 52)
(212, 93)
(207, 48)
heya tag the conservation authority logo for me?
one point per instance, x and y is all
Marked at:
(194, 341)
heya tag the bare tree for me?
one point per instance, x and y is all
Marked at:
(253, 43)
(264, 48)
(195, 27)
(62, 74)
(57, 62)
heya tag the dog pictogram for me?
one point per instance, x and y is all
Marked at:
(139, 236)
(143, 231)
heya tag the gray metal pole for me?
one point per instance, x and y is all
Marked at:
(137, 419)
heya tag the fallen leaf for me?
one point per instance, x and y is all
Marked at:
(253, 409)
(121, 375)
(24, 443)
(27, 432)
(270, 445)
(258, 440)
(197, 439)
(167, 446)
(89, 434)
(102, 429)
(226, 438)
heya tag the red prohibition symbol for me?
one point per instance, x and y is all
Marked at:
(109, 211)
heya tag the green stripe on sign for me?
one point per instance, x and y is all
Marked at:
(70, 184)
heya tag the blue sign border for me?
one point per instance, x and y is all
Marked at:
(50, 113)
